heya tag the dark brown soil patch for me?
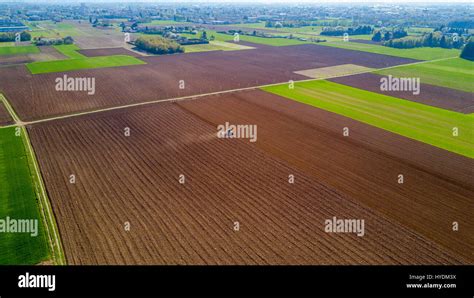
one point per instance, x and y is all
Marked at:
(161, 77)
(135, 179)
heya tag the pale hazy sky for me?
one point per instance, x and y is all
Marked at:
(244, 1)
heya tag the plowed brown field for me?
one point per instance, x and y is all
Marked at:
(438, 187)
(160, 77)
(135, 179)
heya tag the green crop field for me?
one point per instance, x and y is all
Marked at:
(84, 63)
(416, 53)
(312, 30)
(70, 50)
(413, 120)
(50, 29)
(361, 36)
(7, 44)
(18, 200)
(19, 50)
(254, 39)
(260, 25)
(453, 73)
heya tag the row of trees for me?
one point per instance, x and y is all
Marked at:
(388, 35)
(11, 36)
(158, 45)
(428, 40)
(339, 31)
(54, 41)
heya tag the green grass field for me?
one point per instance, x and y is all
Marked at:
(418, 30)
(18, 201)
(49, 29)
(255, 39)
(416, 53)
(84, 63)
(453, 73)
(70, 50)
(260, 25)
(164, 23)
(19, 50)
(413, 120)
(7, 44)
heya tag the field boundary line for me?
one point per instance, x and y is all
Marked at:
(196, 96)
(43, 199)
(45, 205)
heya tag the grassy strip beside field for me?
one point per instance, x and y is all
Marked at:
(18, 200)
(50, 29)
(424, 123)
(416, 53)
(453, 73)
(16, 50)
(69, 50)
(164, 23)
(7, 44)
(46, 222)
(84, 63)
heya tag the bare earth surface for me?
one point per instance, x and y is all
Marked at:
(441, 97)
(161, 77)
(46, 53)
(5, 117)
(134, 179)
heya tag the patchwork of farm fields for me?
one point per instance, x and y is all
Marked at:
(160, 77)
(130, 183)
(232, 180)
(436, 96)
(445, 129)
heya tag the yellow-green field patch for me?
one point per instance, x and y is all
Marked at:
(334, 71)
(215, 46)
